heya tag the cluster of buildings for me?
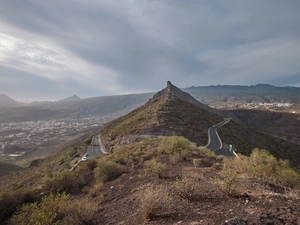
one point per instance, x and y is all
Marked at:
(268, 105)
(32, 134)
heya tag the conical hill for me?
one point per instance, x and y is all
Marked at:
(170, 112)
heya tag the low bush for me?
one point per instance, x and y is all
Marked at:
(156, 167)
(187, 188)
(56, 209)
(155, 201)
(89, 140)
(175, 144)
(95, 190)
(206, 152)
(107, 170)
(264, 165)
(60, 181)
(11, 200)
(227, 183)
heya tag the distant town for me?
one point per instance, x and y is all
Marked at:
(277, 106)
(19, 137)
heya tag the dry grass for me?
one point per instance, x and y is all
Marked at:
(155, 201)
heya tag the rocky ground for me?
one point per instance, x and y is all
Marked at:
(186, 194)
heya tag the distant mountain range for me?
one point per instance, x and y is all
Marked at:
(232, 94)
(74, 107)
(258, 89)
(115, 106)
(6, 101)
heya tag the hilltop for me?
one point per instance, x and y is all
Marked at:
(71, 98)
(6, 101)
(169, 112)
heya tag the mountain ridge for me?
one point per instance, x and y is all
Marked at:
(166, 113)
(6, 101)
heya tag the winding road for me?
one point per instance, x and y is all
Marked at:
(214, 141)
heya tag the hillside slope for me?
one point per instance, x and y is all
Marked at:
(278, 124)
(169, 112)
(244, 140)
(7, 168)
(6, 101)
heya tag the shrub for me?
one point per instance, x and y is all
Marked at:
(11, 200)
(79, 211)
(107, 170)
(264, 165)
(55, 209)
(60, 181)
(95, 190)
(205, 151)
(89, 140)
(175, 144)
(156, 167)
(227, 183)
(187, 188)
(155, 201)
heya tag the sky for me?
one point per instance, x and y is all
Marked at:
(50, 50)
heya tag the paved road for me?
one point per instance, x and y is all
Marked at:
(214, 141)
(96, 148)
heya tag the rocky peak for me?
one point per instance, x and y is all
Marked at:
(171, 91)
(71, 98)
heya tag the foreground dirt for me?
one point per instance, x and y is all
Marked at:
(254, 202)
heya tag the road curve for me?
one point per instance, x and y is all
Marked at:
(214, 140)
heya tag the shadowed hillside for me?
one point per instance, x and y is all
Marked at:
(278, 124)
(7, 168)
(244, 140)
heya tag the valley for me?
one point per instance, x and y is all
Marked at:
(36, 139)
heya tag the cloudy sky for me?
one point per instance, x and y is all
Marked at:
(51, 49)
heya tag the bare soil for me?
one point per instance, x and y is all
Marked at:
(254, 203)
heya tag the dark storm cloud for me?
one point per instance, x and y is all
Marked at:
(115, 47)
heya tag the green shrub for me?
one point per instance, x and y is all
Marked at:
(60, 181)
(11, 200)
(156, 167)
(205, 151)
(175, 144)
(264, 165)
(89, 140)
(89, 165)
(55, 209)
(107, 170)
